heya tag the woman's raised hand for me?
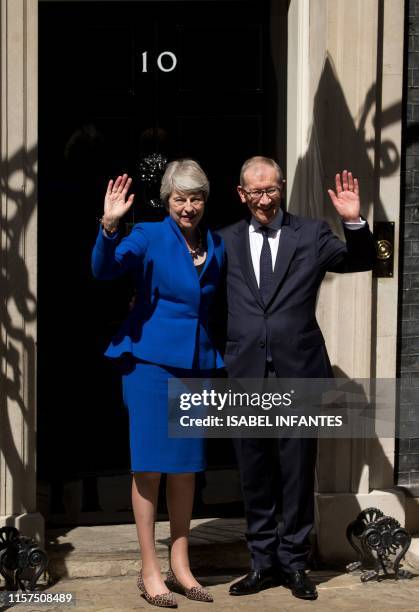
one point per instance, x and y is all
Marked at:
(116, 204)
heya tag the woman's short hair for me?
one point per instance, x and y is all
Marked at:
(186, 176)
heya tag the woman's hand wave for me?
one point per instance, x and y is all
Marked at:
(116, 204)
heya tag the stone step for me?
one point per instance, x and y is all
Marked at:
(112, 550)
(216, 545)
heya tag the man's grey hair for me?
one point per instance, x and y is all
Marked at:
(186, 176)
(256, 161)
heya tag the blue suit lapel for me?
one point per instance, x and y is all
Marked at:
(186, 257)
(180, 262)
(210, 255)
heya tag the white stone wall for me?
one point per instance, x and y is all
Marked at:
(18, 150)
(345, 64)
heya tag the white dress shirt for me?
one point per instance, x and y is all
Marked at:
(256, 238)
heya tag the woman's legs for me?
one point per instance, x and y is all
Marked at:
(179, 495)
(145, 490)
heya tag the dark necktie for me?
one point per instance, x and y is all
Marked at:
(265, 269)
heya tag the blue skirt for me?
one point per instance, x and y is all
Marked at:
(145, 395)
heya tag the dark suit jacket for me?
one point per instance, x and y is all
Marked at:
(287, 323)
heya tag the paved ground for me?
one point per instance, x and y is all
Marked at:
(98, 565)
(336, 592)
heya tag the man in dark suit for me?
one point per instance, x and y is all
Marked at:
(275, 265)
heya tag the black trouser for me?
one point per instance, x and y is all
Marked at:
(272, 470)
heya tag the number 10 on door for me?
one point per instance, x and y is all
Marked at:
(166, 61)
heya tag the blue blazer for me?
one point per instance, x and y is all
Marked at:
(170, 317)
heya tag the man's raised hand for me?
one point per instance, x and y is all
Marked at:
(346, 199)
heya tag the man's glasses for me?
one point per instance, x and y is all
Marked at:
(256, 194)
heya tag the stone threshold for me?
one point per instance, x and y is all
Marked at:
(112, 550)
(216, 544)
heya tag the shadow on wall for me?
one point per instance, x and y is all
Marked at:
(18, 308)
(337, 143)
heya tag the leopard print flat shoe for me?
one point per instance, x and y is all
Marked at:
(196, 593)
(165, 600)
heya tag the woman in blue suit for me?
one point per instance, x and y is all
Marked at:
(177, 267)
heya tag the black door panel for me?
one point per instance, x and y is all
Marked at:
(100, 112)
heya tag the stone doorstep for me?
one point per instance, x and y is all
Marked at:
(112, 550)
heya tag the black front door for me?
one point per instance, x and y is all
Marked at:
(118, 81)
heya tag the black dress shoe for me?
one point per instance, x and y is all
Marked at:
(255, 581)
(300, 584)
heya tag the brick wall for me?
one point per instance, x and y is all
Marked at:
(408, 446)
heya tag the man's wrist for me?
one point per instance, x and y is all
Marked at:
(354, 225)
(353, 220)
